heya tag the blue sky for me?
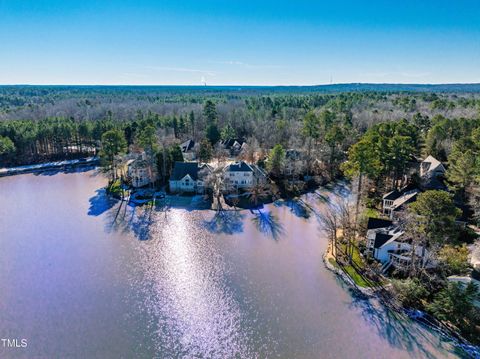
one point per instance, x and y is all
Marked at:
(238, 42)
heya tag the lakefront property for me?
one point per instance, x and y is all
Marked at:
(239, 179)
(399, 224)
(396, 213)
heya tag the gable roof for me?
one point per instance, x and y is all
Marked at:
(381, 239)
(393, 195)
(374, 223)
(229, 143)
(181, 169)
(400, 195)
(187, 145)
(430, 164)
(240, 166)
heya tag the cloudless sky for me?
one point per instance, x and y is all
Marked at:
(236, 42)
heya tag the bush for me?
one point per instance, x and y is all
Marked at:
(410, 292)
(115, 188)
(454, 259)
(455, 304)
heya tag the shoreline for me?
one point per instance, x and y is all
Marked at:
(327, 255)
(462, 344)
(12, 171)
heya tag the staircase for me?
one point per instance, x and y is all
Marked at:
(385, 267)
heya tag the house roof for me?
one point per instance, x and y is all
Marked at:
(181, 169)
(430, 164)
(229, 143)
(393, 195)
(187, 145)
(381, 239)
(404, 196)
(240, 166)
(374, 223)
(384, 236)
(137, 163)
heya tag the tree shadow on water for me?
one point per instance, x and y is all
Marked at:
(226, 222)
(399, 331)
(101, 202)
(297, 206)
(267, 223)
(135, 220)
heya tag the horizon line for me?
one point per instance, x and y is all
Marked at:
(251, 85)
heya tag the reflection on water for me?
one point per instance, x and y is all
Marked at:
(197, 315)
(267, 223)
(112, 280)
(227, 222)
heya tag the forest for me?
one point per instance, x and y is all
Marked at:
(39, 123)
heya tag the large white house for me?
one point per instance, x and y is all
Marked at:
(189, 177)
(242, 175)
(238, 175)
(390, 245)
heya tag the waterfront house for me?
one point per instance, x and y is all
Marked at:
(238, 175)
(389, 244)
(395, 201)
(242, 175)
(189, 177)
(188, 150)
(140, 172)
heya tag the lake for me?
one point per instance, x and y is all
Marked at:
(83, 277)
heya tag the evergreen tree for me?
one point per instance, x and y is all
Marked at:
(462, 170)
(176, 153)
(276, 160)
(113, 144)
(227, 132)
(439, 213)
(6, 146)
(210, 112)
(212, 133)
(205, 153)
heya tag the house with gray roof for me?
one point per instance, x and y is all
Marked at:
(395, 201)
(189, 177)
(242, 175)
(188, 150)
(388, 243)
(233, 145)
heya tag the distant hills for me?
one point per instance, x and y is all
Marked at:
(332, 88)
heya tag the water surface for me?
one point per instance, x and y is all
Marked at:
(82, 276)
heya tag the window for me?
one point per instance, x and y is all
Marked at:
(246, 174)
